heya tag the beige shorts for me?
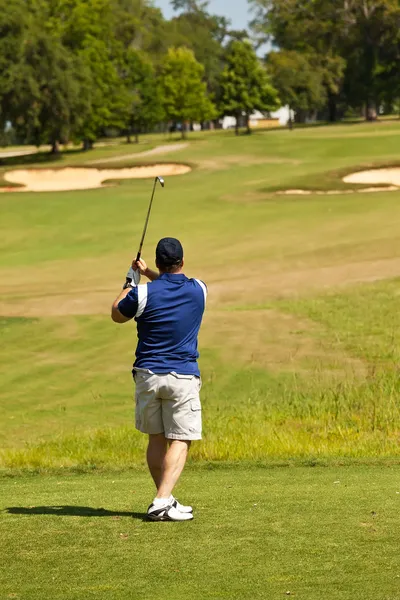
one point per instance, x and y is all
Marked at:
(168, 404)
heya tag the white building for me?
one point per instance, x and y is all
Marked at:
(259, 119)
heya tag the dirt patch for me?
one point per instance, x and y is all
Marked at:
(77, 294)
(56, 180)
(165, 149)
(276, 341)
(220, 163)
(302, 281)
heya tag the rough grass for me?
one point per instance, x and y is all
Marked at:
(257, 533)
(330, 390)
(299, 345)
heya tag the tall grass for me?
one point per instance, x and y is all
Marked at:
(343, 421)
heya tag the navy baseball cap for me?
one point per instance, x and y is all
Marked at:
(169, 252)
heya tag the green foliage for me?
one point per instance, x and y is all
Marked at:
(371, 46)
(143, 86)
(355, 43)
(245, 85)
(298, 81)
(183, 89)
(70, 69)
(196, 29)
(46, 86)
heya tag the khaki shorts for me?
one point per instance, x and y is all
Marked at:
(168, 404)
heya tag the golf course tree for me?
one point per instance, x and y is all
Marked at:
(86, 28)
(313, 29)
(183, 89)
(373, 37)
(146, 108)
(109, 99)
(299, 81)
(352, 42)
(139, 25)
(45, 88)
(245, 84)
(204, 33)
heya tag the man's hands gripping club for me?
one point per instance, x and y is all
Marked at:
(138, 268)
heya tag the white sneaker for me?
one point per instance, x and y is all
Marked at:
(181, 507)
(167, 513)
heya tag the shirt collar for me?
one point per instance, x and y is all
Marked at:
(173, 276)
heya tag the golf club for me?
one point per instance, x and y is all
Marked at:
(161, 181)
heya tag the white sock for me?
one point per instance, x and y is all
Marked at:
(160, 502)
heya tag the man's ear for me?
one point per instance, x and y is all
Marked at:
(183, 262)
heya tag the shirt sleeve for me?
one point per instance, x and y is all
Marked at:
(204, 289)
(129, 305)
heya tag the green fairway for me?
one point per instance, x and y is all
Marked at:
(299, 357)
(299, 346)
(257, 533)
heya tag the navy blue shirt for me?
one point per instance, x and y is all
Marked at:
(168, 313)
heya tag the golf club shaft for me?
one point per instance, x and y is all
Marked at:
(147, 222)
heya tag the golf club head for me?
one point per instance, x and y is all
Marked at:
(161, 180)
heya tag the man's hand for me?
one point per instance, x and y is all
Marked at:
(140, 266)
(143, 269)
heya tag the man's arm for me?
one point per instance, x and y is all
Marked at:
(116, 316)
(130, 306)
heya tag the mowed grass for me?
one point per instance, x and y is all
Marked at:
(299, 344)
(258, 533)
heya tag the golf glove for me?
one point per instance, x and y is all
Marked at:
(133, 276)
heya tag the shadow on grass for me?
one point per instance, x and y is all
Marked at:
(73, 511)
(41, 158)
(29, 159)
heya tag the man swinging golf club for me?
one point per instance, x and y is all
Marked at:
(168, 312)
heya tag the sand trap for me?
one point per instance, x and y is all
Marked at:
(370, 190)
(388, 179)
(375, 177)
(57, 180)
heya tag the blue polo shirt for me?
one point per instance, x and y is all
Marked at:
(168, 313)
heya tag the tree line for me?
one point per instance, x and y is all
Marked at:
(72, 69)
(332, 58)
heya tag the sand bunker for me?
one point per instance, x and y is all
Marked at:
(376, 177)
(370, 190)
(388, 179)
(57, 180)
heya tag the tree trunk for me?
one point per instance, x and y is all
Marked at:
(55, 147)
(332, 108)
(290, 122)
(237, 124)
(128, 138)
(370, 110)
(248, 128)
(183, 130)
(87, 144)
(136, 137)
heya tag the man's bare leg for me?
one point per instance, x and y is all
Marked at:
(172, 467)
(156, 451)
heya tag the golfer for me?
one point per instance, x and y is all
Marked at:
(168, 312)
